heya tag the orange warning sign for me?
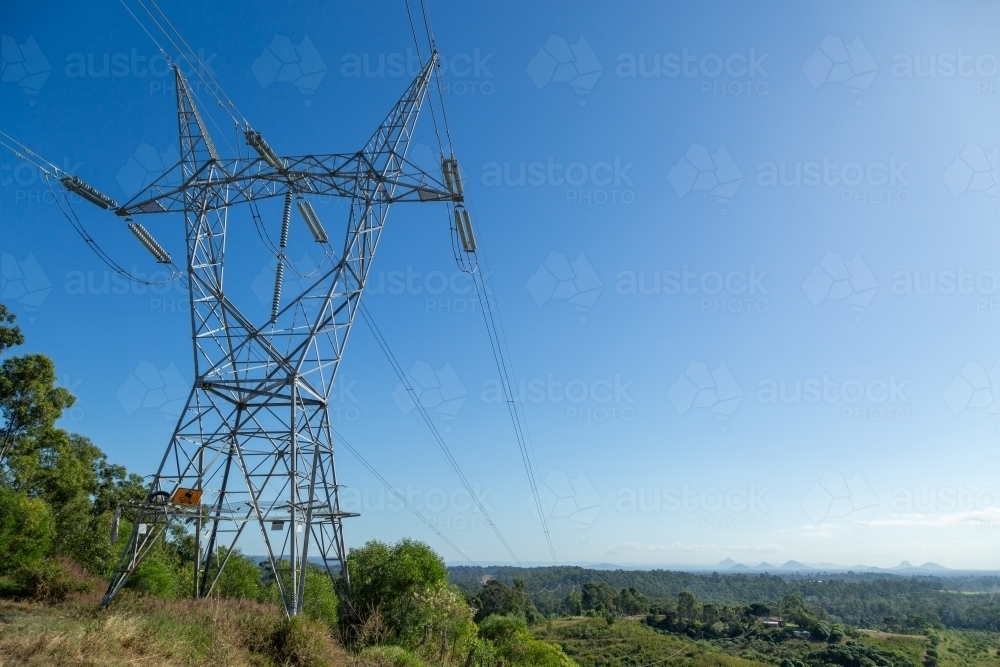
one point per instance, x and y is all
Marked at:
(184, 496)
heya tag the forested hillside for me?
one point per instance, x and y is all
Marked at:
(880, 601)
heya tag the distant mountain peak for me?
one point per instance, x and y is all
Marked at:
(905, 563)
(795, 565)
(728, 562)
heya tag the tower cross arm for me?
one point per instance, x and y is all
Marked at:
(238, 181)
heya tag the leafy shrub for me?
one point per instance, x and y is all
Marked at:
(27, 529)
(156, 577)
(516, 647)
(386, 580)
(240, 580)
(820, 631)
(321, 602)
(52, 580)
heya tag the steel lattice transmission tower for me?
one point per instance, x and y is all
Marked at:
(254, 444)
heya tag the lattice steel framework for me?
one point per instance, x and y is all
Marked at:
(254, 444)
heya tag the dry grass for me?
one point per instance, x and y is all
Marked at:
(140, 632)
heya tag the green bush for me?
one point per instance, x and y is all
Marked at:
(52, 580)
(820, 631)
(27, 529)
(321, 601)
(156, 577)
(240, 580)
(517, 648)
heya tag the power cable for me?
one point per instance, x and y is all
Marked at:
(392, 490)
(435, 433)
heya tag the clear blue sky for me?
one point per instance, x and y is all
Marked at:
(745, 257)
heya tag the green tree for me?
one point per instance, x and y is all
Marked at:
(631, 602)
(27, 530)
(30, 401)
(498, 598)
(10, 335)
(574, 603)
(599, 597)
(687, 608)
(386, 582)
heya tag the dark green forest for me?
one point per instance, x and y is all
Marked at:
(878, 601)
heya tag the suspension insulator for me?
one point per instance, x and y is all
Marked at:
(312, 220)
(74, 184)
(456, 173)
(146, 239)
(449, 181)
(256, 141)
(452, 177)
(460, 227)
(470, 239)
(285, 218)
(278, 277)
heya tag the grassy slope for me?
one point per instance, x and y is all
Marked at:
(164, 634)
(912, 646)
(591, 642)
(968, 648)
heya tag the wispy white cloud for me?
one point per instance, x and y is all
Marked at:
(988, 517)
